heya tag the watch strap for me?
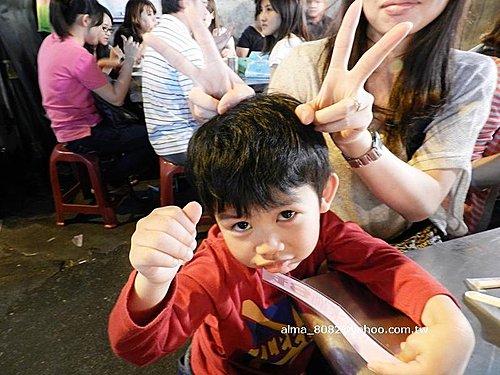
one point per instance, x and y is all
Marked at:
(374, 153)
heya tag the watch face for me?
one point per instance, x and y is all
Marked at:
(376, 141)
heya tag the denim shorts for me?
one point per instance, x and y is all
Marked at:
(184, 363)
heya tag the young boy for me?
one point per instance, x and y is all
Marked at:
(266, 180)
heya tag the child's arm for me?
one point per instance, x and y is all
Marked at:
(162, 242)
(447, 344)
(444, 348)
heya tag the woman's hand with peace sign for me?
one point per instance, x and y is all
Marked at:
(217, 86)
(343, 107)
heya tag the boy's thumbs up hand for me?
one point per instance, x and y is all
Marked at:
(163, 241)
(193, 210)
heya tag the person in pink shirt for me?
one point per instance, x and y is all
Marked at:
(69, 76)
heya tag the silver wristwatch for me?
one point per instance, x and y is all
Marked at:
(373, 154)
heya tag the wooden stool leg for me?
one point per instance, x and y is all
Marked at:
(56, 190)
(105, 207)
(84, 178)
(167, 173)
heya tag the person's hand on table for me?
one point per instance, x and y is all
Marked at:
(218, 88)
(343, 107)
(443, 346)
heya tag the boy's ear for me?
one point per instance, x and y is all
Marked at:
(329, 192)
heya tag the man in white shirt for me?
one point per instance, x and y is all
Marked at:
(165, 90)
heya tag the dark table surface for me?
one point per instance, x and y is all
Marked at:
(451, 262)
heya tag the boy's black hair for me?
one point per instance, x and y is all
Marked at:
(255, 152)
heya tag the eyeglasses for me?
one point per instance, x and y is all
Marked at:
(107, 29)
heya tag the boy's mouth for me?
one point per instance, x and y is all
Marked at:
(280, 265)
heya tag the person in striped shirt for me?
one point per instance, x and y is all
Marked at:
(165, 90)
(485, 183)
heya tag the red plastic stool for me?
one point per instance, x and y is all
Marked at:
(103, 205)
(167, 172)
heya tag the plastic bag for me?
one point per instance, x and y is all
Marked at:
(257, 65)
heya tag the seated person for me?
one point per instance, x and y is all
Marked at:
(317, 20)
(252, 38)
(485, 169)
(276, 219)
(140, 18)
(486, 156)
(101, 50)
(69, 76)
(165, 90)
(222, 35)
(401, 138)
(284, 21)
(109, 59)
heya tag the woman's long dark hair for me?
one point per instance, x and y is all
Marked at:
(293, 21)
(132, 19)
(422, 86)
(63, 14)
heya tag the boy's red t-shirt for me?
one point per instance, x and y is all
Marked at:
(235, 318)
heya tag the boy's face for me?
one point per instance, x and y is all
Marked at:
(277, 239)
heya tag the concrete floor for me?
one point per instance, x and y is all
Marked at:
(56, 296)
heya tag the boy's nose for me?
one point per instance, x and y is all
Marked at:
(271, 246)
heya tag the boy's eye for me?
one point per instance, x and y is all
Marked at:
(241, 226)
(287, 215)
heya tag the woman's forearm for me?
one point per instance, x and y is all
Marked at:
(409, 191)
(122, 83)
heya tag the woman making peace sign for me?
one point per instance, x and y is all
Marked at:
(426, 100)
(402, 79)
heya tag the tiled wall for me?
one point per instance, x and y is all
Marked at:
(237, 12)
